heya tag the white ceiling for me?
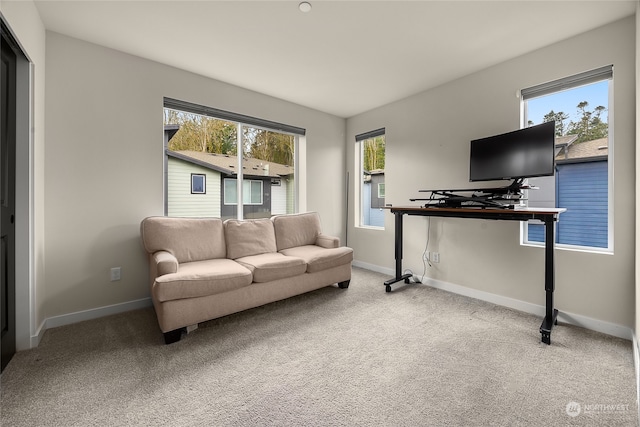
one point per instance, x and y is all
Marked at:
(342, 57)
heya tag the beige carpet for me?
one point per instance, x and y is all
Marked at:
(358, 357)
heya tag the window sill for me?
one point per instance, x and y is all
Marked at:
(370, 227)
(563, 247)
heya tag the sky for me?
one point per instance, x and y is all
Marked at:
(566, 101)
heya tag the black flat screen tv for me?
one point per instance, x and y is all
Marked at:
(523, 153)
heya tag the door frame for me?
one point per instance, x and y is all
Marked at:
(7, 211)
(26, 335)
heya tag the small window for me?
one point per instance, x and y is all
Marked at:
(198, 183)
(230, 192)
(371, 147)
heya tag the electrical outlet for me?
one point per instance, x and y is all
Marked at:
(435, 256)
(115, 274)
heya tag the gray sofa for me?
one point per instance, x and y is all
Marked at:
(204, 268)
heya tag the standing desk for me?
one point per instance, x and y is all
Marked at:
(547, 215)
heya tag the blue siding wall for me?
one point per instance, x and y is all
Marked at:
(582, 188)
(376, 217)
(536, 233)
(371, 216)
(366, 211)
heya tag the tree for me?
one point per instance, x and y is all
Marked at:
(373, 153)
(559, 117)
(201, 133)
(588, 127)
(223, 138)
(268, 145)
(210, 135)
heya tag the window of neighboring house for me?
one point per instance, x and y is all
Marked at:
(371, 149)
(583, 181)
(259, 152)
(230, 192)
(198, 184)
(251, 193)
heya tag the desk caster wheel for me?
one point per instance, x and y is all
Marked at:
(387, 288)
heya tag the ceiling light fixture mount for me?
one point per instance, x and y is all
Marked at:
(305, 6)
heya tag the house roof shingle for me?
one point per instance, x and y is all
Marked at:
(586, 149)
(229, 164)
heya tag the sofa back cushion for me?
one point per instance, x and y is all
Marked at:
(296, 230)
(188, 239)
(249, 237)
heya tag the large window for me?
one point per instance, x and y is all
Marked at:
(371, 146)
(203, 144)
(582, 184)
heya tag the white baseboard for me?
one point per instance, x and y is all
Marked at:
(80, 316)
(539, 310)
(373, 267)
(35, 339)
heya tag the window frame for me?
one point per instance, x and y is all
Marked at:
(204, 183)
(597, 75)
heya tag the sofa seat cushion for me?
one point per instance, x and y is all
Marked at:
(318, 258)
(272, 266)
(201, 278)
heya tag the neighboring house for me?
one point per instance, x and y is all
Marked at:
(581, 174)
(204, 185)
(374, 195)
(595, 150)
(562, 143)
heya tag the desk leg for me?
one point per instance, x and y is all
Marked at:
(398, 254)
(551, 314)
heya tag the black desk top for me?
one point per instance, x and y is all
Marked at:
(521, 214)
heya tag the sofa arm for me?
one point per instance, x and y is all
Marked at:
(165, 263)
(328, 242)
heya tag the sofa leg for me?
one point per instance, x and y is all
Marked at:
(344, 285)
(173, 336)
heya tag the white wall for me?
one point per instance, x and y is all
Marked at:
(25, 24)
(427, 148)
(104, 159)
